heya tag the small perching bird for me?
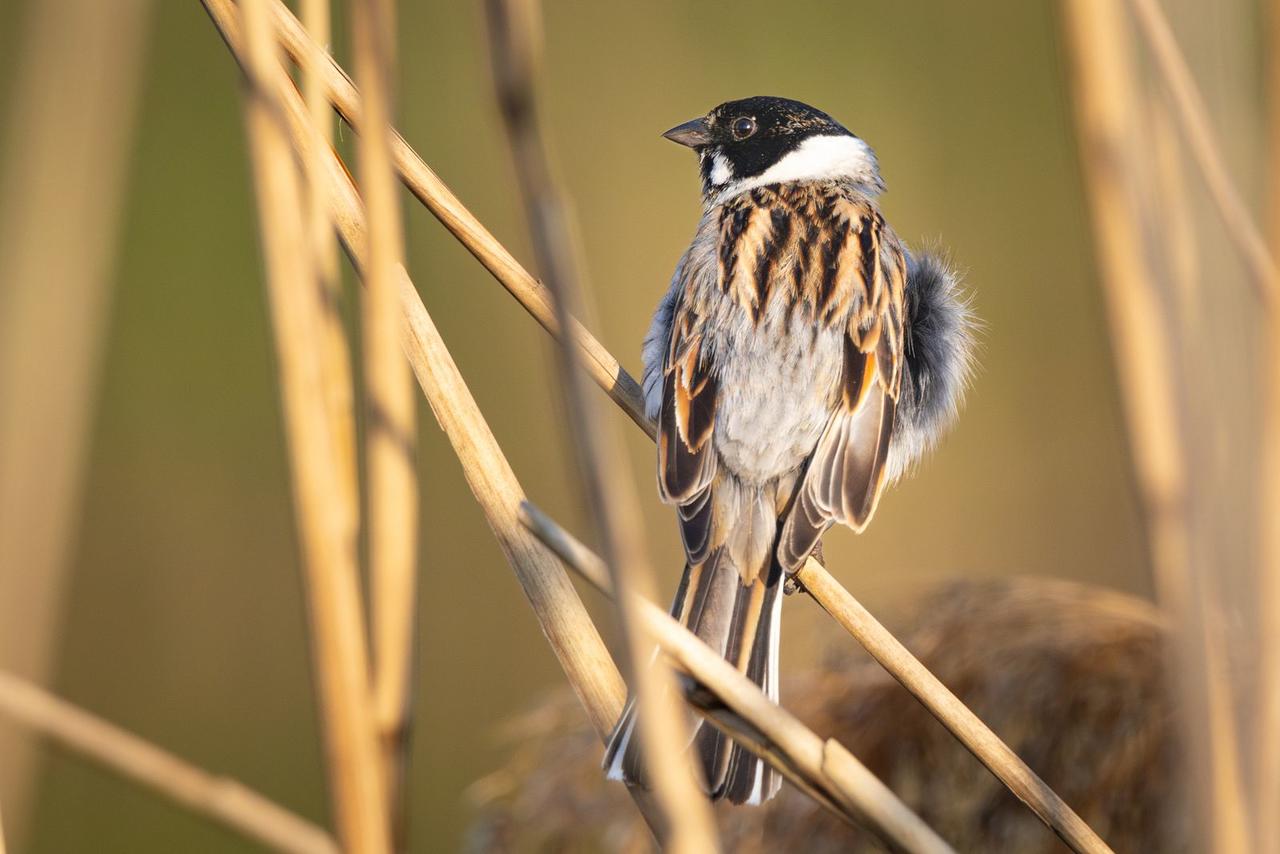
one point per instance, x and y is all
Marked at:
(800, 360)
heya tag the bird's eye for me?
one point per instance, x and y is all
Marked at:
(743, 127)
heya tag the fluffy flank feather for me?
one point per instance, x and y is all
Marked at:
(940, 345)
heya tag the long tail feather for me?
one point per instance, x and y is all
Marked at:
(743, 623)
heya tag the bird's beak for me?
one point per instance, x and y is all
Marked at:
(692, 133)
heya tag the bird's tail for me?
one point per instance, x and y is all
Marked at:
(742, 621)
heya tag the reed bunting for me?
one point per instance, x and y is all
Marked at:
(802, 359)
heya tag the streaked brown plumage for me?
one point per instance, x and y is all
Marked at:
(774, 370)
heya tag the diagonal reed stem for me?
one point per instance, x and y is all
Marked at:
(607, 373)
(329, 561)
(601, 366)
(220, 799)
(515, 49)
(824, 769)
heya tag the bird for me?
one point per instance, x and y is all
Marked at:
(801, 359)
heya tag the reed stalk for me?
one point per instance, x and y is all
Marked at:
(220, 799)
(62, 188)
(515, 50)
(601, 366)
(391, 423)
(330, 571)
(823, 769)
(1267, 773)
(1147, 335)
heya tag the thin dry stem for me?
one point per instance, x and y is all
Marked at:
(221, 799)
(427, 187)
(825, 767)
(1197, 129)
(1268, 726)
(391, 428)
(337, 625)
(1144, 330)
(337, 351)
(515, 48)
(946, 707)
(603, 368)
(563, 618)
(64, 176)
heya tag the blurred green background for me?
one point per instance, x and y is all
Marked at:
(185, 619)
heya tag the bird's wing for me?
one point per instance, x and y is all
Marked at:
(686, 420)
(845, 474)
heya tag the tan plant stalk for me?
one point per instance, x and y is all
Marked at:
(337, 351)
(337, 625)
(1267, 773)
(62, 184)
(1197, 130)
(1144, 330)
(560, 612)
(221, 799)
(603, 368)
(391, 423)
(446, 207)
(515, 48)
(817, 765)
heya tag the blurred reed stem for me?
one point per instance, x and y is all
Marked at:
(601, 366)
(427, 187)
(336, 349)
(1147, 334)
(1267, 732)
(391, 423)
(62, 187)
(563, 618)
(330, 569)
(220, 799)
(515, 51)
(823, 769)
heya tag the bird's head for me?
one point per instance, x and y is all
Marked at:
(759, 141)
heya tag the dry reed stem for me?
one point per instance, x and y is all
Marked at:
(391, 423)
(824, 766)
(1267, 774)
(944, 705)
(1197, 130)
(221, 799)
(1143, 333)
(603, 368)
(515, 48)
(337, 625)
(427, 187)
(64, 178)
(337, 351)
(564, 621)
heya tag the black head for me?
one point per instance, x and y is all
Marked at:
(763, 140)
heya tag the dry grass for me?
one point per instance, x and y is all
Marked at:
(822, 769)
(356, 781)
(391, 423)
(515, 50)
(54, 184)
(1156, 312)
(218, 798)
(304, 192)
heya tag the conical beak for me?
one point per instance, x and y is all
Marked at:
(692, 133)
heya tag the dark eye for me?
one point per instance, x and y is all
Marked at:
(743, 127)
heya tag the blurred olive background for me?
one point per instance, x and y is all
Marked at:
(184, 620)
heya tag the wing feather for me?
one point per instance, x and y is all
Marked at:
(845, 474)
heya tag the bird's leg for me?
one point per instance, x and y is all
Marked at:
(792, 584)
